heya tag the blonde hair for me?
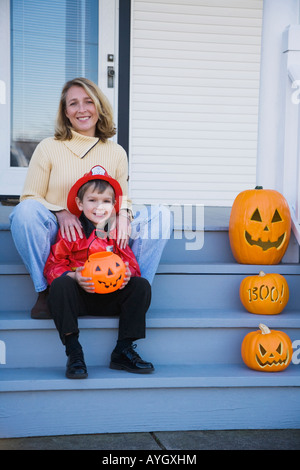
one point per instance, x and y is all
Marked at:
(105, 127)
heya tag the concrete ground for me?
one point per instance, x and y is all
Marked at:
(164, 441)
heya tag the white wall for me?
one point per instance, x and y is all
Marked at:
(194, 99)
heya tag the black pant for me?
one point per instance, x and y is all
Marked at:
(67, 301)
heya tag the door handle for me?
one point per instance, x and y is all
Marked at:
(110, 76)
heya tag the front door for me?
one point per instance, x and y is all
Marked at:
(45, 44)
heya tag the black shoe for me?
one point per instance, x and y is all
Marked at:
(40, 309)
(129, 360)
(76, 368)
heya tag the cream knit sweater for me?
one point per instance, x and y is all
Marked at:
(56, 165)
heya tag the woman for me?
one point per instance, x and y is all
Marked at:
(84, 125)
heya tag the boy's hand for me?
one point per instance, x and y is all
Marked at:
(127, 275)
(85, 283)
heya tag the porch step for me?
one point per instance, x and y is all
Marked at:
(173, 336)
(198, 397)
(165, 376)
(176, 285)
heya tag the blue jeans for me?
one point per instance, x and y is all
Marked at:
(34, 229)
(150, 230)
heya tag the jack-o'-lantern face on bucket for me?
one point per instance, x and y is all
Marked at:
(107, 271)
(259, 227)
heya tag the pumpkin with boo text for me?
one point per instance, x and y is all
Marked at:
(259, 226)
(107, 271)
(267, 350)
(265, 294)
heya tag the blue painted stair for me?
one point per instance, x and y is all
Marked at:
(195, 328)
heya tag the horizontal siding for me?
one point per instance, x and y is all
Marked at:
(194, 99)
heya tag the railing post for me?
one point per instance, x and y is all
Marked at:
(277, 15)
(291, 148)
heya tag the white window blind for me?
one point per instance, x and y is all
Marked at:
(52, 41)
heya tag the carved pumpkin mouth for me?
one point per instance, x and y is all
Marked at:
(264, 245)
(271, 362)
(110, 284)
(274, 363)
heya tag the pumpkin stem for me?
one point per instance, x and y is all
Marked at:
(258, 187)
(261, 273)
(264, 329)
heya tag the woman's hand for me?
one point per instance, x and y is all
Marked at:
(69, 224)
(85, 283)
(127, 275)
(123, 229)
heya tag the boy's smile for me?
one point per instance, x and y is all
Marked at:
(97, 207)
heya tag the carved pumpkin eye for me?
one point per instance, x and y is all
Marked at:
(262, 350)
(98, 268)
(256, 216)
(276, 217)
(279, 349)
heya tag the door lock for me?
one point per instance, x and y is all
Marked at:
(110, 77)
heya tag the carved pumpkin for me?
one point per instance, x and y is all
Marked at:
(267, 350)
(259, 226)
(107, 271)
(265, 294)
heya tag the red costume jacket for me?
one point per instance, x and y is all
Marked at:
(66, 256)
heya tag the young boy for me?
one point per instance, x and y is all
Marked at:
(96, 199)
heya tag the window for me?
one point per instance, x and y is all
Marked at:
(51, 42)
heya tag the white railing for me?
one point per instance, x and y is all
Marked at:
(291, 147)
(278, 155)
